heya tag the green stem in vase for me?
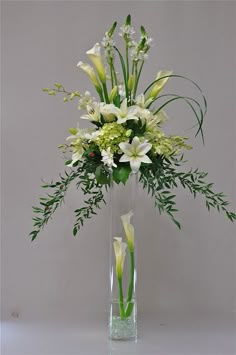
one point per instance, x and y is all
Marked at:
(130, 304)
(121, 299)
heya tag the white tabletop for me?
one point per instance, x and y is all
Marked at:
(163, 335)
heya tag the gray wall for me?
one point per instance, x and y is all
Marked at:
(58, 276)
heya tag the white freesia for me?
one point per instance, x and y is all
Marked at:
(90, 72)
(120, 252)
(129, 229)
(107, 111)
(85, 100)
(125, 113)
(159, 85)
(135, 153)
(107, 158)
(93, 112)
(94, 55)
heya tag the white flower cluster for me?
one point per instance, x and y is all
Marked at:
(108, 44)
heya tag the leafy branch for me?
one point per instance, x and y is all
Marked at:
(50, 203)
(163, 179)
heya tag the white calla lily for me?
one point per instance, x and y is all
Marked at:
(94, 55)
(125, 113)
(159, 85)
(135, 153)
(129, 229)
(120, 252)
(88, 69)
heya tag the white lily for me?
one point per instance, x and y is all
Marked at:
(159, 85)
(129, 229)
(125, 113)
(135, 153)
(107, 158)
(93, 112)
(107, 111)
(94, 55)
(91, 73)
(120, 252)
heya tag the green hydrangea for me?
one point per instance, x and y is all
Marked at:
(164, 145)
(111, 134)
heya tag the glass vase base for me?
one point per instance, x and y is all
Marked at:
(122, 329)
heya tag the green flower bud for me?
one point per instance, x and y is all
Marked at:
(58, 85)
(128, 20)
(112, 29)
(143, 31)
(128, 133)
(113, 93)
(131, 82)
(73, 131)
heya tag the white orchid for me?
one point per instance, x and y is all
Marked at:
(95, 56)
(135, 153)
(159, 85)
(129, 229)
(125, 113)
(120, 252)
(93, 112)
(91, 73)
(85, 100)
(107, 158)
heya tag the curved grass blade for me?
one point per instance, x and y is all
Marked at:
(187, 99)
(181, 77)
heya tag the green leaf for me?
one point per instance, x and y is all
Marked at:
(121, 174)
(101, 176)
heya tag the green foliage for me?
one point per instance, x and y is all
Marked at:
(85, 179)
(163, 177)
(121, 173)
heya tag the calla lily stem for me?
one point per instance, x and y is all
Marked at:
(121, 299)
(130, 305)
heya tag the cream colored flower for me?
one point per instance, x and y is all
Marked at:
(120, 252)
(129, 229)
(90, 72)
(135, 153)
(159, 85)
(94, 55)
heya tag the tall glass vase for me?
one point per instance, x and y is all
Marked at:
(123, 251)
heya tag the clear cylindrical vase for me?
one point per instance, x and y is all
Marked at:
(123, 254)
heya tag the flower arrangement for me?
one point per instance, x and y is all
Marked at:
(126, 137)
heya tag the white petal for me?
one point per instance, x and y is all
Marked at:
(143, 148)
(146, 159)
(124, 158)
(126, 148)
